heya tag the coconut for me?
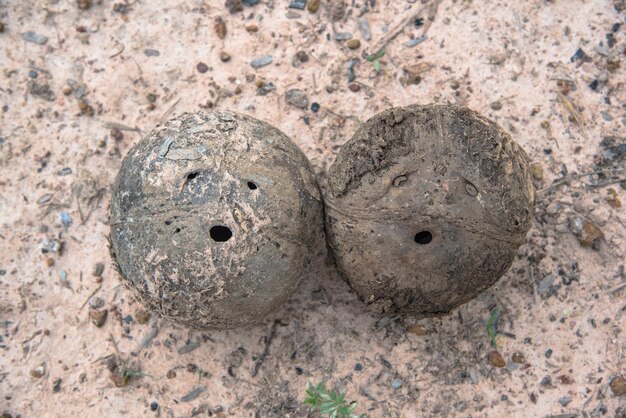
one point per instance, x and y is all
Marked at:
(214, 219)
(426, 207)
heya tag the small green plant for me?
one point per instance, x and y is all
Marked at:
(331, 404)
(375, 58)
(494, 316)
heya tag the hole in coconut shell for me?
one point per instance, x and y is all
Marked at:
(423, 237)
(220, 233)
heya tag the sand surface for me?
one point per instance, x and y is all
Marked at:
(72, 106)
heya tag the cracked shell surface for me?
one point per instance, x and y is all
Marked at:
(214, 219)
(426, 207)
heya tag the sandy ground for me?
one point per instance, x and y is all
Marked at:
(74, 105)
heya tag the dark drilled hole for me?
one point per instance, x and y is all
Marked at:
(252, 186)
(423, 237)
(220, 233)
(192, 176)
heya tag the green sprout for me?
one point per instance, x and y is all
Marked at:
(375, 58)
(331, 404)
(494, 316)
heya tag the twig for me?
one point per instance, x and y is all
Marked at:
(119, 52)
(568, 177)
(120, 126)
(80, 212)
(432, 10)
(169, 111)
(533, 282)
(115, 345)
(617, 289)
(90, 296)
(266, 349)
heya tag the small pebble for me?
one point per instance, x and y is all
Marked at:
(56, 385)
(142, 316)
(252, 28)
(343, 36)
(154, 406)
(548, 353)
(618, 386)
(354, 87)
(496, 105)
(219, 26)
(33, 74)
(250, 3)
(496, 359)
(38, 372)
(518, 358)
(353, 44)
(35, 38)
(262, 61)
(98, 269)
(297, 98)
(313, 6)
(588, 233)
(396, 383)
(297, 4)
(224, 56)
(358, 367)
(202, 67)
(565, 400)
(315, 107)
(233, 6)
(151, 52)
(171, 374)
(1, 27)
(98, 318)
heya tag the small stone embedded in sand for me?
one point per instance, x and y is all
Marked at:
(233, 6)
(214, 219)
(313, 6)
(496, 359)
(518, 358)
(297, 4)
(588, 234)
(150, 52)
(262, 61)
(618, 386)
(98, 317)
(353, 44)
(34, 37)
(297, 98)
(426, 207)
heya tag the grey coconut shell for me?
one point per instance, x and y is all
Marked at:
(214, 219)
(426, 207)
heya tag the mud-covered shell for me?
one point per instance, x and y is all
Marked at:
(214, 219)
(426, 207)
